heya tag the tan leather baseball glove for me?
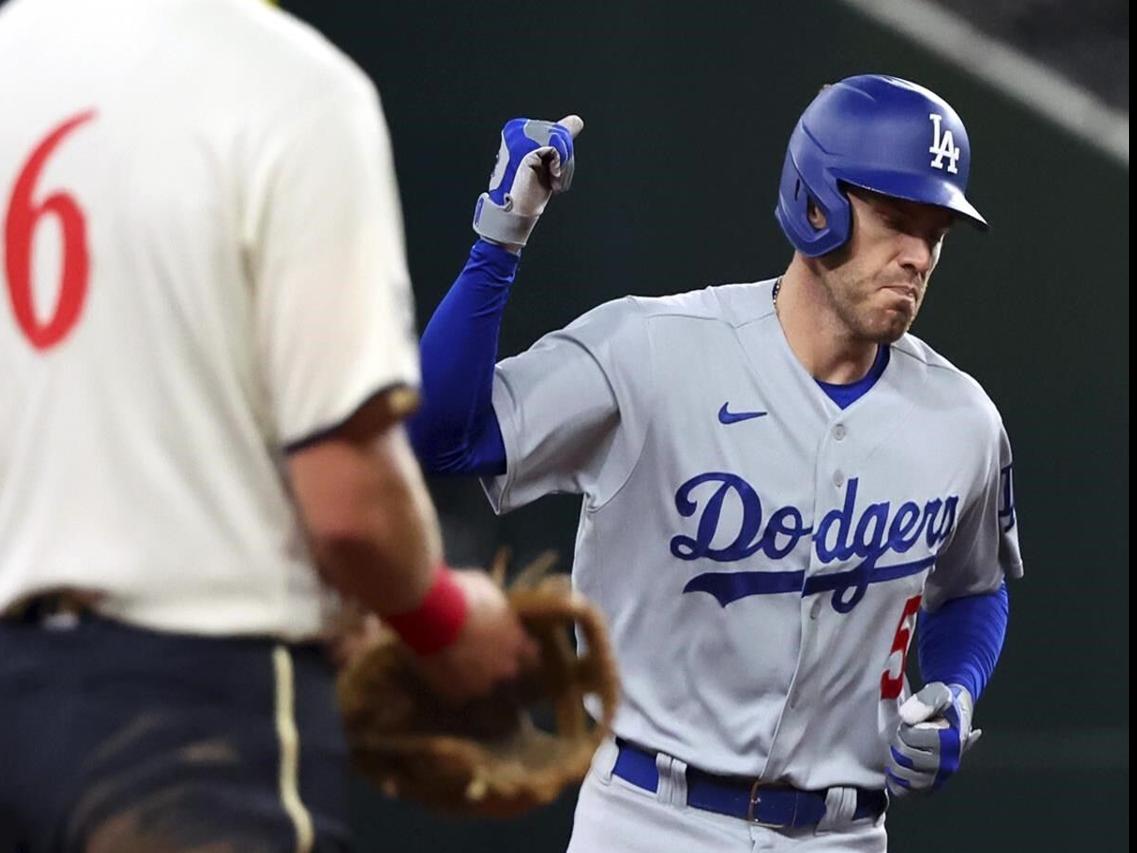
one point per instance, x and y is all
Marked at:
(487, 757)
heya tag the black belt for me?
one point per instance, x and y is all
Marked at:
(35, 609)
(777, 806)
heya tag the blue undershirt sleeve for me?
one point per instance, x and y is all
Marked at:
(456, 431)
(960, 642)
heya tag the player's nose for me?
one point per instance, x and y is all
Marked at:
(917, 254)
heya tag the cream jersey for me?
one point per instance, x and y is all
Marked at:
(202, 265)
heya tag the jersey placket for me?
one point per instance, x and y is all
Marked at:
(834, 457)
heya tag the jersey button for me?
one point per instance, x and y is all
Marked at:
(815, 609)
(839, 432)
(838, 479)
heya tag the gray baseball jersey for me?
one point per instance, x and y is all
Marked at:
(761, 553)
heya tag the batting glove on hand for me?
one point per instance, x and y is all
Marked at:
(535, 160)
(934, 733)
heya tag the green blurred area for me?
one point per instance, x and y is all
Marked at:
(688, 109)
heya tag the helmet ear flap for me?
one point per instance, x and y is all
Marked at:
(795, 196)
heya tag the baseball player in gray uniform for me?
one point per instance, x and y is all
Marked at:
(779, 485)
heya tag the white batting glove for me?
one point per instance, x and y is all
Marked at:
(934, 733)
(535, 160)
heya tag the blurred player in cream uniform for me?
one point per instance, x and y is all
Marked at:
(206, 352)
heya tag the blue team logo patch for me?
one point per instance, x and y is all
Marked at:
(843, 535)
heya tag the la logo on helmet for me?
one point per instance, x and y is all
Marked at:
(943, 146)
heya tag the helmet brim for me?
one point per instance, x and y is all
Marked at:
(922, 189)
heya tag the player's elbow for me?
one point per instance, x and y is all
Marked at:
(439, 448)
(345, 557)
(361, 521)
(372, 532)
(339, 536)
(481, 454)
(353, 494)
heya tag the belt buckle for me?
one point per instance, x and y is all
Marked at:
(755, 799)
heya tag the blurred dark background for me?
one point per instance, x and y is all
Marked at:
(688, 108)
(1085, 40)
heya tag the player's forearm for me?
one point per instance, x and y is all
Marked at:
(960, 643)
(456, 431)
(371, 525)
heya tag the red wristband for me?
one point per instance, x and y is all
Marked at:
(437, 621)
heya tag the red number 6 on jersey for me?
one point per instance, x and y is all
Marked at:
(892, 685)
(20, 222)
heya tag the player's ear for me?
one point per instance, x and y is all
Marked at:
(815, 215)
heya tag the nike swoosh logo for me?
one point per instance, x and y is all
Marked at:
(726, 417)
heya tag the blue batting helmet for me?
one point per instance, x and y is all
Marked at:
(879, 133)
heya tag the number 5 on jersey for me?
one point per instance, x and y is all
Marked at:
(892, 679)
(22, 215)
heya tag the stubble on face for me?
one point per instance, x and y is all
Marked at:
(875, 283)
(874, 307)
